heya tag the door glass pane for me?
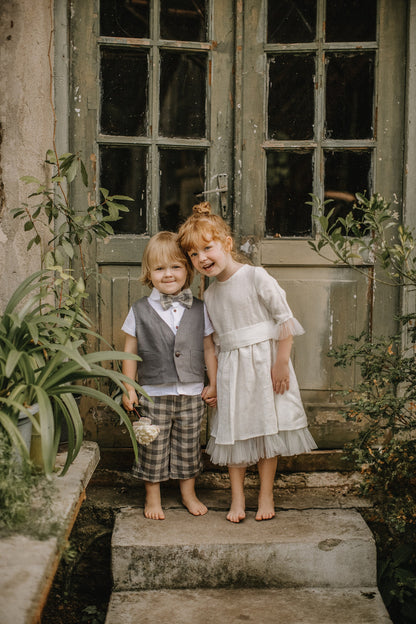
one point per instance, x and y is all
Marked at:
(351, 20)
(182, 174)
(291, 96)
(291, 21)
(349, 95)
(124, 18)
(124, 80)
(346, 173)
(182, 94)
(183, 20)
(289, 184)
(123, 172)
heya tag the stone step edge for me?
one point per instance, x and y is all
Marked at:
(203, 606)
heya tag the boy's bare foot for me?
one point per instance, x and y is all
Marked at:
(153, 512)
(153, 505)
(194, 505)
(265, 509)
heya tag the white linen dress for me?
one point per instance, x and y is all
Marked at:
(250, 314)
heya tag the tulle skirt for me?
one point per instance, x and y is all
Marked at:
(247, 452)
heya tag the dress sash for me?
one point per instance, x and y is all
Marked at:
(246, 336)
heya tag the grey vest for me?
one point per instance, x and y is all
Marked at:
(167, 358)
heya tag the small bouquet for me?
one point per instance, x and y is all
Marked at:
(144, 431)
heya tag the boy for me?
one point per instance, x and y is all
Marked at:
(171, 332)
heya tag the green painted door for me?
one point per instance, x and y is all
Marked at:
(253, 105)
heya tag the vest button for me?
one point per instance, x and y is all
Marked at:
(177, 353)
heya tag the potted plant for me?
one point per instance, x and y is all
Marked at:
(43, 362)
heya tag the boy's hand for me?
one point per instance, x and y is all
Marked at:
(130, 400)
(209, 394)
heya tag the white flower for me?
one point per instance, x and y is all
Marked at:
(144, 431)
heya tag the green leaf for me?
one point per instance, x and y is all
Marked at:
(51, 157)
(47, 425)
(72, 171)
(30, 180)
(14, 434)
(84, 174)
(68, 248)
(104, 192)
(122, 197)
(75, 428)
(11, 362)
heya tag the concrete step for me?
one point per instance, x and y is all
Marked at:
(311, 548)
(283, 606)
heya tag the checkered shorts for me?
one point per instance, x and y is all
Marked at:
(176, 452)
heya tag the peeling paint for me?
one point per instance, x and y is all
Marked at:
(331, 329)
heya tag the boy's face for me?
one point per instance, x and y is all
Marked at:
(168, 277)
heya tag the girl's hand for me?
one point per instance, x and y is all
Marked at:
(280, 377)
(209, 394)
(130, 400)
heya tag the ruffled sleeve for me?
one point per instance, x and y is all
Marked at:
(273, 297)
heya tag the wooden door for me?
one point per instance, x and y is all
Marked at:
(273, 101)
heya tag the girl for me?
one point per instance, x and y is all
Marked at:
(172, 334)
(259, 410)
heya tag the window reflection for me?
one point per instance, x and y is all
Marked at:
(291, 21)
(346, 173)
(182, 174)
(291, 96)
(124, 18)
(349, 95)
(351, 20)
(182, 94)
(124, 77)
(289, 184)
(124, 169)
(183, 20)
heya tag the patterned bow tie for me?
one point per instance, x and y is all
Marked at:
(185, 297)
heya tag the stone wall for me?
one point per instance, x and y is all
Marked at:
(26, 126)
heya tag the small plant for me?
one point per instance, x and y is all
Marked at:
(384, 399)
(67, 225)
(93, 615)
(23, 491)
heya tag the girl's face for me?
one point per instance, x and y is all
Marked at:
(213, 259)
(168, 277)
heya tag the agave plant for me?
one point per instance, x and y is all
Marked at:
(43, 360)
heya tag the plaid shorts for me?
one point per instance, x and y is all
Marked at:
(176, 452)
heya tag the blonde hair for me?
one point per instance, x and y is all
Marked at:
(163, 248)
(203, 226)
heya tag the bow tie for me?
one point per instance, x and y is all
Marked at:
(185, 297)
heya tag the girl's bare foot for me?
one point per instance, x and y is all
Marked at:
(237, 510)
(194, 505)
(265, 509)
(153, 506)
(238, 501)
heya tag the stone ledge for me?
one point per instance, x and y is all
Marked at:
(27, 565)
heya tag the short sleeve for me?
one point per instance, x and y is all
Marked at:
(208, 328)
(273, 297)
(129, 325)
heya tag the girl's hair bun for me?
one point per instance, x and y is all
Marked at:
(204, 208)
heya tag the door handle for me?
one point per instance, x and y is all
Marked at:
(222, 189)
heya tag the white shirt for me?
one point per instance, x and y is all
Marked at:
(172, 317)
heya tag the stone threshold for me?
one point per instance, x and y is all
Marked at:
(28, 565)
